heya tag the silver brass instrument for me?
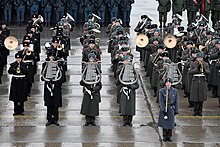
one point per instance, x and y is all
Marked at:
(51, 71)
(141, 40)
(173, 73)
(128, 74)
(11, 43)
(40, 19)
(91, 73)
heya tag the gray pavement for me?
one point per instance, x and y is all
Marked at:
(30, 130)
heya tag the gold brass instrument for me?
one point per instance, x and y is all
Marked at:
(28, 52)
(166, 105)
(11, 43)
(18, 69)
(141, 40)
(60, 46)
(128, 74)
(203, 48)
(91, 73)
(156, 58)
(170, 41)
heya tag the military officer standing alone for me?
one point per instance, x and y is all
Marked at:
(163, 8)
(169, 107)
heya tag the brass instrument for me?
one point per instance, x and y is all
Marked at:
(51, 72)
(28, 52)
(166, 106)
(18, 69)
(11, 43)
(156, 58)
(40, 19)
(201, 69)
(203, 48)
(128, 74)
(173, 73)
(170, 41)
(91, 73)
(60, 46)
(141, 40)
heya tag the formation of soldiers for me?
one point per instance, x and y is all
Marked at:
(60, 7)
(196, 53)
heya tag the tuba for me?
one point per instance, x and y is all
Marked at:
(91, 73)
(128, 74)
(51, 72)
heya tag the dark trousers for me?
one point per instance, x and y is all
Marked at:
(198, 107)
(167, 133)
(52, 113)
(162, 18)
(127, 118)
(29, 86)
(18, 107)
(191, 15)
(90, 119)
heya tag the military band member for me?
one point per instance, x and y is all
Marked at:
(18, 90)
(198, 93)
(169, 107)
(28, 59)
(91, 93)
(163, 8)
(52, 87)
(126, 93)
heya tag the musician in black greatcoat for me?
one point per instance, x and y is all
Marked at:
(126, 93)
(52, 89)
(91, 92)
(18, 94)
(29, 59)
(198, 92)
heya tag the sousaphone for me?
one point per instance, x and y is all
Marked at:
(170, 41)
(11, 43)
(141, 40)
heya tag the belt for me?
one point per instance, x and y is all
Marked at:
(28, 61)
(18, 76)
(198, 75)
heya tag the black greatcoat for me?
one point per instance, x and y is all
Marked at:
(18, 85)
(90, 105)
(127, 96)
(56, 99)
